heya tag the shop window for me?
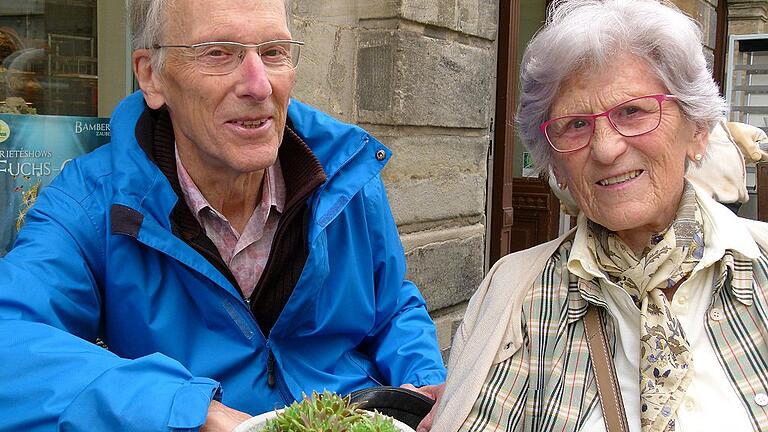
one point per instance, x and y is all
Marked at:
(48, 57)
(50, 110)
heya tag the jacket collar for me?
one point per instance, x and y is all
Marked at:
(302, 171)
(350, 156)
(336, 146)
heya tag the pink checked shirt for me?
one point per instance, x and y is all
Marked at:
(244, 253)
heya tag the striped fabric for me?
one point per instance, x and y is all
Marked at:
(548, 385)
(740, 338)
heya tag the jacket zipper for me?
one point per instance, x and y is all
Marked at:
(271, 361)
(270, 369)
(279, 234)
(273, 380)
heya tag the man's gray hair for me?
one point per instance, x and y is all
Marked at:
(583, 34)
(147, 20)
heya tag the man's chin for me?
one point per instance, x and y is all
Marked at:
(255, 163)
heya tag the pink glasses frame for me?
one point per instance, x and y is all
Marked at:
(659, 97)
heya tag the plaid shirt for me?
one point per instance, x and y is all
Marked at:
(548, 385)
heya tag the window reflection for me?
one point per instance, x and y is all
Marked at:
(48, 57)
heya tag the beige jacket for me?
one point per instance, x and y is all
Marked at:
(491, 330)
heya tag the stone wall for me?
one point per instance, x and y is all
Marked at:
(705, 12)
(420, 76)
(747, 16)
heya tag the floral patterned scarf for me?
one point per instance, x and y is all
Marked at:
(666, 366)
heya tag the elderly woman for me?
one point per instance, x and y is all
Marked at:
(617, 101)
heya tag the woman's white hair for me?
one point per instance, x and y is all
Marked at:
(583, 34)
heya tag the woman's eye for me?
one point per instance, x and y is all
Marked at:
(578, 124)
(627, 111)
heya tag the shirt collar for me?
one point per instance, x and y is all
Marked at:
(723, 231)
(584, 275)
(581, 263)
(729, 243)
(273, 192)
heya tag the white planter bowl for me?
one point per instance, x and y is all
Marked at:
(255, 424)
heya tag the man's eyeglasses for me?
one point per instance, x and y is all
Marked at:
(221, 58)
(634, 117)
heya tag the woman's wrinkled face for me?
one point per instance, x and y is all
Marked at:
(625, 184)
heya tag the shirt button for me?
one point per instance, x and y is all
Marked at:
(682, 300)
(761, 399)
(381, 155)
(716, 314)
(690, 404)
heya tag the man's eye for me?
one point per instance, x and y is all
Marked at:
(275, 53)
(215, 52)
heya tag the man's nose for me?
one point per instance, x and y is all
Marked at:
(254, 80)
(607, 143)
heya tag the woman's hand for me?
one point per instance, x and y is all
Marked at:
(434, 392)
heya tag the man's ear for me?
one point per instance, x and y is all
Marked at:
(149, 79)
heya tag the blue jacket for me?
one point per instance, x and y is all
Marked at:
(178, 332)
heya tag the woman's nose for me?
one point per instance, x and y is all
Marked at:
(607, 143)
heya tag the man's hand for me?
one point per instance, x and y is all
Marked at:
(222, 418)
(434, 392)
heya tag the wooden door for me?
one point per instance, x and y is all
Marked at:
(502, 212)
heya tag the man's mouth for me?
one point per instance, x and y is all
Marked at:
(620, 178)
(250, 124)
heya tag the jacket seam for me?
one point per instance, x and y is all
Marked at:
(94, 225)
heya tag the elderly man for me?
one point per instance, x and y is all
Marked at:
(234, 248)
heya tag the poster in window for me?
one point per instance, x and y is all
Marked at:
(33, 150)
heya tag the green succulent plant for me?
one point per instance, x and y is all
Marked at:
(377, 423)
(327, 412)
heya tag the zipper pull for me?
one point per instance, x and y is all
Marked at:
(270, 369)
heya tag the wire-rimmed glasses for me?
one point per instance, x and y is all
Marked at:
(221, 58)
(631, 118)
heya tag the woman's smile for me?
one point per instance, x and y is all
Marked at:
(621, 179)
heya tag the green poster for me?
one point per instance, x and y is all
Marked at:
(33, 150)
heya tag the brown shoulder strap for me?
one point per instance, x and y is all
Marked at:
(602, 363)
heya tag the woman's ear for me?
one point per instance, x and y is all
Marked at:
(699, 143)
(554, 173)
(150, 80)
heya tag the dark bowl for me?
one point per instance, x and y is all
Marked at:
(405, 405)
